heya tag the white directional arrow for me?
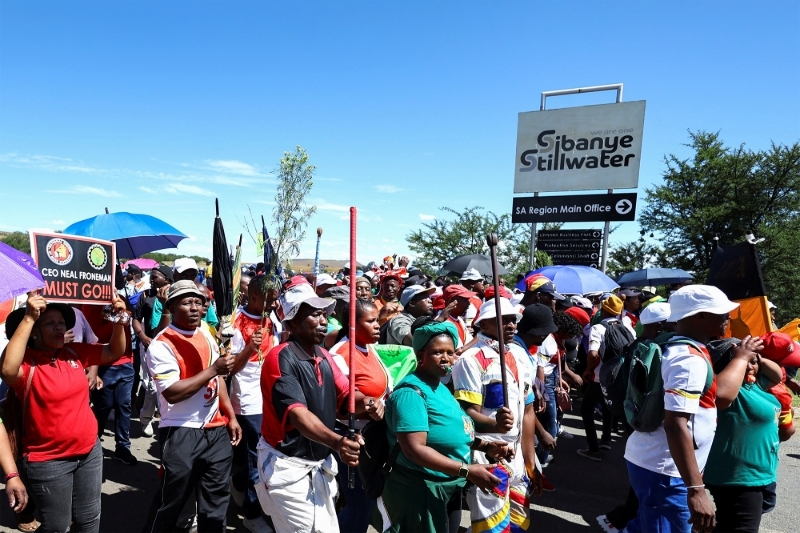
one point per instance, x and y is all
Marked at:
(624, 206)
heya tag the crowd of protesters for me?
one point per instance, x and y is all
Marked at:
(260, 419)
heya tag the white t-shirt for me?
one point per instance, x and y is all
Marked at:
(684, 374)
(196, 411)
(597, 343)
(545, 353)
(246, 396)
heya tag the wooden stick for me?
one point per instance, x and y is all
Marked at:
(491, 240)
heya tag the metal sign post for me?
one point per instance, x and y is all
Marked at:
(613, 87)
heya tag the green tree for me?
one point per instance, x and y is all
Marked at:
(290, 215)
(635, 255)
(727, 192)
(445, 238)
(19, 240)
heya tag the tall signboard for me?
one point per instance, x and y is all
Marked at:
(572, 247)
(579, 148)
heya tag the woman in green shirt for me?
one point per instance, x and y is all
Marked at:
(435, 437)
(743, 459)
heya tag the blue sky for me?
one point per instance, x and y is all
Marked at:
(159, 107)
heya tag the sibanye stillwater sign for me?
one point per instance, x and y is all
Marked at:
(579, 148)
(575, 208)
(75, 269)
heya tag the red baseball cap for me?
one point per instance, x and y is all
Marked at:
(488, 294)
(438, 302)
(780, 347)
(578, 314)
(451, 291)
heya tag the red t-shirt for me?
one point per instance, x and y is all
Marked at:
(58, 422)
(371, 377)
(103, 329)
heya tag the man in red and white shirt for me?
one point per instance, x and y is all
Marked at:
(186, 366)
(254, 336)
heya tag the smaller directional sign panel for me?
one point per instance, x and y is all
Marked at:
(572, 247)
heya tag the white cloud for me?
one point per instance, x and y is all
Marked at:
(231, 166)
(178, 188)
(49, 163)
(388, 189)
(323, 205)
(427, 217)
(57, 222)
(85, 189)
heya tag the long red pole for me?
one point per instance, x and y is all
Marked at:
(351, 433)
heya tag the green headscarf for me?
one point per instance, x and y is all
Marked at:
(424, 334)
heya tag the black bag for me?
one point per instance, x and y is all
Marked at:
(376, 460)
(614, 380)
(616, 339)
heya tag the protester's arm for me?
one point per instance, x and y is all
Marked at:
(592, 360)
(186, 388)
(138, 330)
(547, 440)
(681, 447)
(15, 489)
(486, 424)
(225, 407)
(161, 314)
(529, 426)
(729, 381)
(785, 432)
(770, 370)
(11, 367)
(243, 355)
(415, 448)
(312, 428)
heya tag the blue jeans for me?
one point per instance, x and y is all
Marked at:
(548, 417)
(68, 490)
(115, 394)
(663, 506)
(247, 477)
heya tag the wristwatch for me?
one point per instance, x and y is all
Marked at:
(463, 471)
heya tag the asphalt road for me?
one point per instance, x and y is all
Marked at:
(584, 488)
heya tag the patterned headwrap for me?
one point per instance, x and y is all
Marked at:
(424, 334)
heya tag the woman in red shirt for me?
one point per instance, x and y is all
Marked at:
(61, 451)
(373, 381)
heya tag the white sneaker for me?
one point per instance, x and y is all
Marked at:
(607, 526)
(147, 429)
(257, 525)
(238, 496)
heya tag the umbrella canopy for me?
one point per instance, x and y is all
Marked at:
(134, 234)
(574, 279)
(654, 276)
(143, 263)
(18, 273)
(481, 263)
(222, 275)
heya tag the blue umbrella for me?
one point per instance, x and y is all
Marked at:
(574, 279)
(654, 276)
(134, 234)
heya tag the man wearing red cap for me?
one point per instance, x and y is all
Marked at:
(457, 301)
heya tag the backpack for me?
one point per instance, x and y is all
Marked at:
(376, 460)
(616, 338)
(644, 399)
(614, 380)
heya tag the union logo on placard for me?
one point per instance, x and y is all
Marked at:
(59, 251)
(97, 256)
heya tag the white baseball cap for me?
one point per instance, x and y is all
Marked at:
(325, 279)
(410, 292)
(471, 274)
(506, 308)
(298, 295)
(654, 313)
(183, 264)
(693, 299)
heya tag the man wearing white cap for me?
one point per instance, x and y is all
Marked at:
(478, 387)
(665, 466)
(324, 282)
(303, 390)
(473, 281)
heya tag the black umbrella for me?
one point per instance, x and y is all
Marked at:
(462, 263)
(222, 275)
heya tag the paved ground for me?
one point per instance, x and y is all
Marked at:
(584, 489)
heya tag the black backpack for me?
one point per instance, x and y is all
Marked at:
(376, 460)
(614, 380)
(616, 339)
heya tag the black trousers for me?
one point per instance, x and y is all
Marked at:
(738, 508)
(196, 460)
(592, 397)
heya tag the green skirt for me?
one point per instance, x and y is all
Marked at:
(412, 503)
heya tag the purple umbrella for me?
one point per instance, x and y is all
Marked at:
(18, 273)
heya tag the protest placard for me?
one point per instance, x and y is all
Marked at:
(75, 269)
